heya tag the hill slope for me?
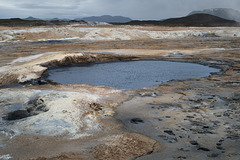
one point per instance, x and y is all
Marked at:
(196, 20)
(17, 22)
(226, 13)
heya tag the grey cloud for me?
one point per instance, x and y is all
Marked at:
(136, 9)
(60, 4)
(8, 13)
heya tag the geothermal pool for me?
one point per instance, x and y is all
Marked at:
(128, 74)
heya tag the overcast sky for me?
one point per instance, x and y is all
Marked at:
(135, 9)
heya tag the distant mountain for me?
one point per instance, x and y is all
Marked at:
(106, 18)
(31, 18)
(195, 20)
(47, 19)
(58, 19)
(54, 19)
(226, 13)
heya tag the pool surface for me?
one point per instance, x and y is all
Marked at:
(130, 74)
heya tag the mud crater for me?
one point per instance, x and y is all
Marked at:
(35, 107)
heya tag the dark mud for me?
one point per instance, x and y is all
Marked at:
(196, 121)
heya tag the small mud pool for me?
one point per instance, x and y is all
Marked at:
(130, 74)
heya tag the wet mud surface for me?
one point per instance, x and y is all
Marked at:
(196, 118)
(189, 124)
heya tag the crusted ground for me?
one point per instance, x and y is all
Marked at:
(180, 119)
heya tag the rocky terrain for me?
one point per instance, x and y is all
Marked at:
(179, 119)
(73, 35)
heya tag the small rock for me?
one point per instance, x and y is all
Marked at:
(168, 139)
(194, 143)
(183, 149)
(218, 144)
(176, 54)
(159, 119)
(169, 132)
(95, 106)
(181, 157)
(220, 148)
(205, 127)
(154, 94)
(136, 121)
(203, 149)
(213, 155)
(42, 82)
(190, 116)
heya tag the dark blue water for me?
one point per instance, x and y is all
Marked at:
(131, 74)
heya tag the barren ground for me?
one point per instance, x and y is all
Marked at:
(180, 119)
